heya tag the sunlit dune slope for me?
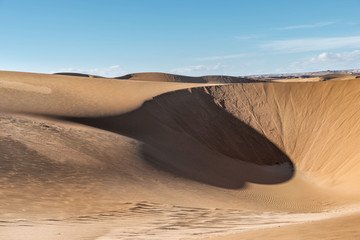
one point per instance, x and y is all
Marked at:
(60, 95)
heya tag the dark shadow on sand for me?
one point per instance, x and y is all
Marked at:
(187, 134)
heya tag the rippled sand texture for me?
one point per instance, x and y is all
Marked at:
(159, 156)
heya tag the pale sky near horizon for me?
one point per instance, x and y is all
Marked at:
(190, 37)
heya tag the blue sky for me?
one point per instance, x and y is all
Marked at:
(191, 37)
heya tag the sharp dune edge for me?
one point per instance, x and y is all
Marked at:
(159, 156)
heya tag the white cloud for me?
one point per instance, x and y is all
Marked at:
(326, 61)
(110, 71)
(199, 69)
(315, 25)
(220, 57)
(312, 44)
(328, 57)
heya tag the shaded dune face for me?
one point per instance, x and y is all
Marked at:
(198, 114)
(189, 133)
(311, 125)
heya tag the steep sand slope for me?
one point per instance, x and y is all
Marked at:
(313, 125)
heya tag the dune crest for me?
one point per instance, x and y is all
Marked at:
(166, 77)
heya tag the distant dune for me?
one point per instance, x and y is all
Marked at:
(78, 75)
(175, 157)
(60, 95)
(165, 77)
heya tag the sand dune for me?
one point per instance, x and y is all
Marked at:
(164, 77)
(157, 156)
(76, 96)
(78, 74)
(237, 120)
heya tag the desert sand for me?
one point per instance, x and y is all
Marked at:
(160, 156)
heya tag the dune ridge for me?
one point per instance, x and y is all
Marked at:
(165, 77)
(74, 74)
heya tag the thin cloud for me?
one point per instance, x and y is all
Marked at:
(328, 57)
(312, 44)
(198, 69)
(220, 57)
(304, 26)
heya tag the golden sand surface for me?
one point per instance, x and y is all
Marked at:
(159, 156)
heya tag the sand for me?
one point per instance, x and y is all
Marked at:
(165, 77)
(76, 96)
(333, 228)
(151, 158)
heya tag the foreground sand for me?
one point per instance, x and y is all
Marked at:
(334, 228)
(94, 158)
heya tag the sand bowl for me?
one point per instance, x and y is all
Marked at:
(96, 158)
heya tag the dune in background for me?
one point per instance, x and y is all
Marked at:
(160, 156)
(165, 77)
(63, 95)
